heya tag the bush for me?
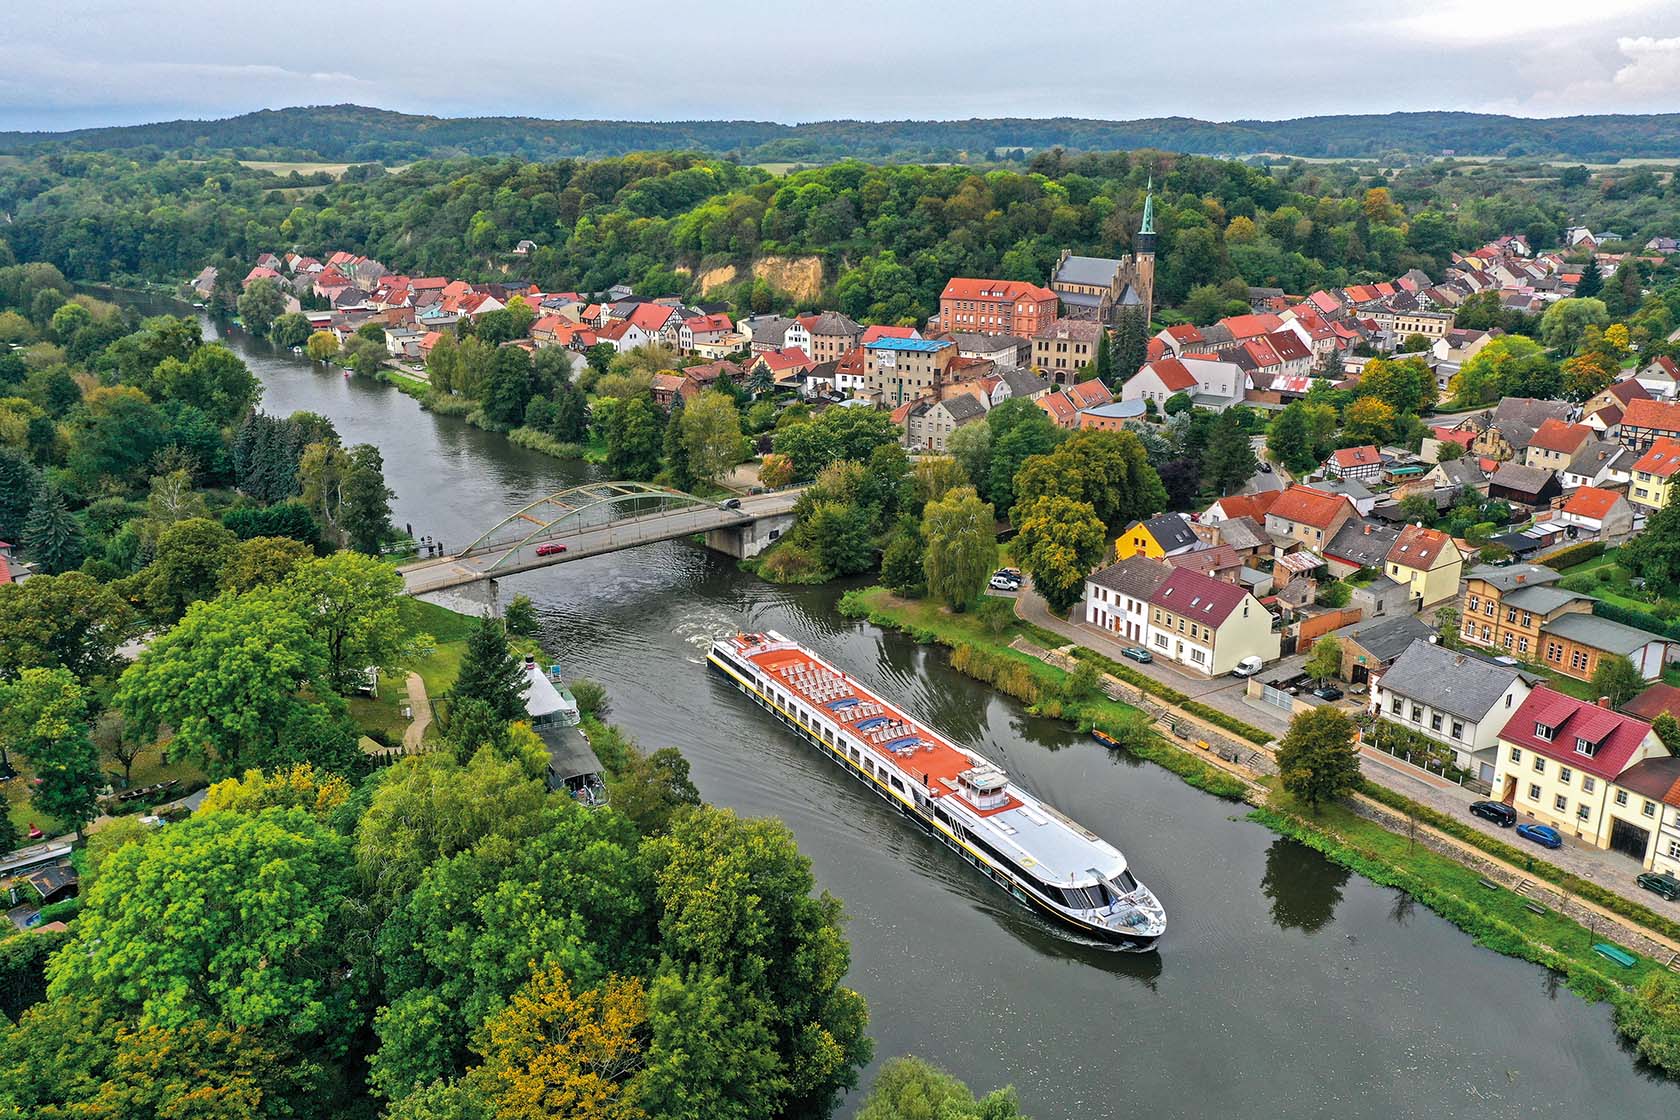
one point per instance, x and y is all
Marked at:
(1171, 695)
(1574, 555)
(447, 405)
(534, 440)
(792, 563)
(995, 615)
(591, 697)
(1640, 620)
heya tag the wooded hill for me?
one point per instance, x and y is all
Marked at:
(359, 134)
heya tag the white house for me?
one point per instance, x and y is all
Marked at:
(1661, 378)
(1456, 699)
(1117, 597)
(1209, 383)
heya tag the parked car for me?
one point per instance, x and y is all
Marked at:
(1247, 667)
(1660, 882)
(1543, 835)
(1498, 812)
(731, 503)
(1004, 583)
(1265, 467)
(1012, 573)
(1138, 654)
(550, 549)
(1328, 692)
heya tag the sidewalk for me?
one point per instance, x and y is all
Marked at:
(1609, 870)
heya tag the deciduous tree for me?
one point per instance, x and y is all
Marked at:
(356, 608)
(44, 714)
(959, 538)
(1059, 542)
(711, 436)
(260, 304)
(1318, 758)
(1617, 678)
(68, 621)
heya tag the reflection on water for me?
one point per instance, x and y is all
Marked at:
(1398, 1016)
(1302, 886)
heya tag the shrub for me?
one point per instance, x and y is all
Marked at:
(534, 440)
(791, 563)
(590, 696)
(1640, 620)
(1574, 555)
(995, 615)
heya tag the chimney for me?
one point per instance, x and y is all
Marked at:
(1604, 702)
(1522, 578)
(1367, 528)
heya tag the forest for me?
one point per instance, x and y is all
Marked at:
(889, 236)
(359, 134)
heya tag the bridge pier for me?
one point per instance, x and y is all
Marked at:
(742, 541)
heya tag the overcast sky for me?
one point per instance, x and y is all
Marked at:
(95, 62)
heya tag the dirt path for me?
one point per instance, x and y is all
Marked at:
(420, 705)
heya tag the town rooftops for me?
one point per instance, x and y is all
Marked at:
(1418, 547)
(1308, 506)
(1457, 683)
(1350, 457)
(1387, 638)
(1196, 596)
(1591, 502)
(1116, 410)
(1242, 532)
(1655, 778)
(1022, 382)
(1514, 576)
(1362, 542)
(1654, 701)
(1173, 374)
(1601, 633)
(1096, 271)
(967, 287)
(1542, 599)
(1555, 435)
(1659, 415)
(1513, 476)
(1071, 330)
(1610, 739)
(1171, 531)
(1663, 458)
(1137, 576)
(910, 345)
(1248, 505)
(1518, 418)
(832, 323)
(879, 331)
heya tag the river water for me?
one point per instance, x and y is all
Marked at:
(1285, 987)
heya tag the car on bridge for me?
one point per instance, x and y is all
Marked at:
(550, 549)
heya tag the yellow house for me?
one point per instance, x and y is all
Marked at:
(1166, 534)
(1208, 625)
(1653, 483)
(1426, 563)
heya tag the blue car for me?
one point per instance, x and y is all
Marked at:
(1541, 835)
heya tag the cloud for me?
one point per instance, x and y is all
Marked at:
(1653, 68)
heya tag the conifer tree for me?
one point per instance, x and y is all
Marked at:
(491, 673)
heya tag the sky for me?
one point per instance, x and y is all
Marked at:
(107, 62)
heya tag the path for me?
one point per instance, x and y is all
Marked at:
(1610, 870)
(420, 709)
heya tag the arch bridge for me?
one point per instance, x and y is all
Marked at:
(601, 517)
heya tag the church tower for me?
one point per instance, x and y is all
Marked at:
(1143, 249)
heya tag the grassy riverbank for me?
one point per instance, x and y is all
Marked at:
(1645, 998)
(979, 648)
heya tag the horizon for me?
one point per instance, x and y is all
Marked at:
(114, 64)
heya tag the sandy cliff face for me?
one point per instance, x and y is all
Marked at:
(799, 277)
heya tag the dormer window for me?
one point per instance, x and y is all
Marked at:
(1584, 747)
(1543, 732)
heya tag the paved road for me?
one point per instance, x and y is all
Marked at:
(1610, 870)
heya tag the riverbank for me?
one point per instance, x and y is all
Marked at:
(1645, 998)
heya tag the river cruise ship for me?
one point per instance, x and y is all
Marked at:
(1047, 861)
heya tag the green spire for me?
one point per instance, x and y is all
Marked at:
(1149, 208)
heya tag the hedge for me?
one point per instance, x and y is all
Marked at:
(1574, 555)
(1639, 620)
(1172, 696)
(1573, 884)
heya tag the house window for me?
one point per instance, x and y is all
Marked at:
(1475, 602)
(1533, 792)
(1457, 729)
(1621, 797)
(1539, 765)
(1584, 747)
(1395, 705)
(1541, 731)
(1584, 811)
(1510, 614)
(1560, 803)
(1435, 721)
(1554, 651)
(1522, 647)
(1588, 783)
(1649, 809)
(1509, 638)
(1674, 849)
(1578, 660)
(1161, 641)
(1417, 714)
(1528, 619)
(1516, 755)
(1488, 608)
(1196, 656)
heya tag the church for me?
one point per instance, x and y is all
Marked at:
(1102, 288)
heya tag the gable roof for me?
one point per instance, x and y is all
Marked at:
(878, 331)
(1590, 501)
(1241, 532)
(1600, 633)
(1542, 599)
(1170, 530)
(1089, 394)
(1309, 506)
(1615, 736)
(1072, 330)
(1247, 505)
(832, 323)
(1524, 480)
(1654, 778)
(1654, 701)
(1349, 457)
(1663, 458)
(1087, 270)
(1455, 682)
(1517, 418)
(1629, 390)
(1201, 597)
(1137, 576)
(1172, 374)
(1660, 415)
(1418, 547)
(969, 287)
(1555, 435)
(1387, 638)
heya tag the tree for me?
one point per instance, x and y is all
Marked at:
(1326, 659)
(911, 1089)
(1059, 542)
(676, 446)
(190, 557)
(1589, 373)
(1617, 678)
(260, 304)
(1655, 554)
(228, 679)
(1108, 470)
(1368, 420)
(521, 617)
(1419, 508)
(52, 537)
(1446, 627)
(838, 433)
(68, 621)
(653, 789)
(110, 739)
(355, 607)
(1565, 322)
(112, 436)
(902, 559)
(1592, 280)
(262, 562)
(1503, 368)
(711, 436)
(490, 672)
(840, 535)
(1177, 403)
(137, 945)
(43, 714)
(960, 546)
(19, 481)
(322, 346)
(509, 388)
(365, 510)
(1230, 459)
(553, 1051)
(289, 330)
(633, 431)
(1318, 758)
(1013, 443)
(971, 446)
(1667, 728)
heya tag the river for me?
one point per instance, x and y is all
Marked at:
(1285, 986)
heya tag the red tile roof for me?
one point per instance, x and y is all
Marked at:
(1248, 505)
(1654, 701)
(780, 360)
(1156, 350)
(968, 287)
(1199, 597)
(1185, 332)
(1615, 736)
(1629, 390)
(1058, 408)
(651, 317)
(1417, 547)
(1590, 501)
(1172, 374)
(1088, 394)
(1288, 345)
(704, 324)
(1555, 435)
(1324, 301)
(1311, 507)
(1659, 415)
(1662, 460)
(876, 333)
(1448, 435)
(1349, 457)
(1251, 326)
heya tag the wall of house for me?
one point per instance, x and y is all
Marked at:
(1435, 585)
(1589, 805)
(1127, 618)
(1473, 735)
